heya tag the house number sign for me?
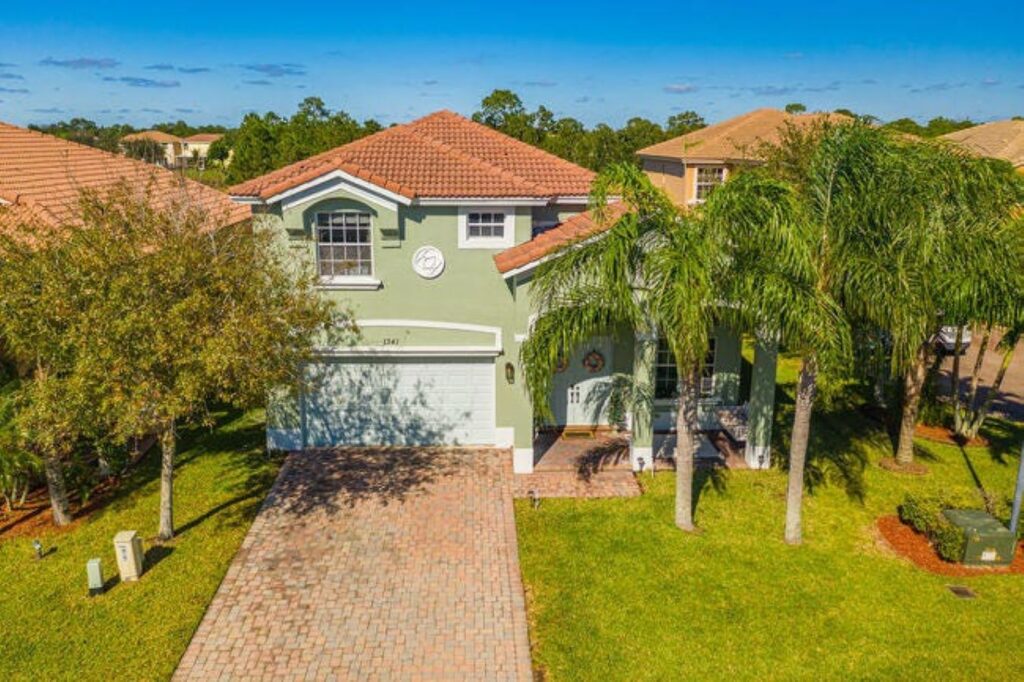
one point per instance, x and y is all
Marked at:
(428, 262)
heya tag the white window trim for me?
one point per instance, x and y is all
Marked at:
(704, 398)
(712, 391)
(508, 240)
(696, 172)
(352, 282)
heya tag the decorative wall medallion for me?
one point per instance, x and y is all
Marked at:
(594, 361)
(428, 262)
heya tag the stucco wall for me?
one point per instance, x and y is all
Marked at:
(469, 291)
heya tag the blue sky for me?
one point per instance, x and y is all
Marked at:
(597, 61)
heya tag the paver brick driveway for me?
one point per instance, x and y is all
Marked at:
(374, 564)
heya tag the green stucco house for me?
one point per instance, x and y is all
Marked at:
(429, 233)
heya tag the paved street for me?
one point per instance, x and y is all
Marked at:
(1010, 402)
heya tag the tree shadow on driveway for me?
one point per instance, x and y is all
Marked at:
(326, 481)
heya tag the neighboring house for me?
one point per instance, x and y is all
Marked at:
(42, 177)
(171, 145)
(691, 165)
(998, 140)
(178, 152)
(430, 233)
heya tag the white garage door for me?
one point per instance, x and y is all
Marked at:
(391, 401)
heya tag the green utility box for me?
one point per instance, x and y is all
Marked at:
(986, 541)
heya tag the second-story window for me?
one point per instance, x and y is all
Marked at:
(343, 244)
(708, 178)
(485, 225)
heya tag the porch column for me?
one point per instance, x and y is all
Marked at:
(758, 454)
(641, 450)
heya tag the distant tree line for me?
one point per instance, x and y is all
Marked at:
(593, 148)
(265, 142)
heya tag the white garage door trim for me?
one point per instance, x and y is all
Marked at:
(386, 400)
(427, 351)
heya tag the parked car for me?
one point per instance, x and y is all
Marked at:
(945, 340)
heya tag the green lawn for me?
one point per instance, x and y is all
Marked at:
(51, 629)
(615, 591)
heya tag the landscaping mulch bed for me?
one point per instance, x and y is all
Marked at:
(941, 434)
(911, 545)
(35, 518)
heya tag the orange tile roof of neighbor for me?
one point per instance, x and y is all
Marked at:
(572, 230)
(735, 139)
(204, 137)
(42, 176)
(998, 140)
(442, 155)
(154, 135)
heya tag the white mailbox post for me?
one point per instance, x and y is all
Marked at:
(128, 548)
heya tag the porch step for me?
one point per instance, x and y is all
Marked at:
(579, 434)
(572, 484)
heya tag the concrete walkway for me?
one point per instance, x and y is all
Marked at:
(374, 564)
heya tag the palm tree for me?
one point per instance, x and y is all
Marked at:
(655, 272)
(968, 252)
(905, 234)
(777, 287)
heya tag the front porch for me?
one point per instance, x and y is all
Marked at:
(596, 462)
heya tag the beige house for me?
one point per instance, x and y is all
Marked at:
(178, 152)
(998, 140)
(689, 166)
(197, 147)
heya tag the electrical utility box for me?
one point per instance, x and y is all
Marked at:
(986, 541)
(128, 548)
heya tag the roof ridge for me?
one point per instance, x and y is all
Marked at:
(453, 151)
(508, 139)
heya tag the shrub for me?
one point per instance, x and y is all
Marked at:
(924, 514)
(948, 540)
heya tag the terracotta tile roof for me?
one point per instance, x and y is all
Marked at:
(154, 135)
(442, 155)
(43, 175)
(580, 226)
(735, 139)
(999, 140)
(204, 137)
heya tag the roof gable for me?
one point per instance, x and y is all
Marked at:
(443, 156)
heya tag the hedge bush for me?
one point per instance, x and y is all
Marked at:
(924, 514)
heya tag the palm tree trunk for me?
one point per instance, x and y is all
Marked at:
(954, 380)
(972, 396)
(54, 472)
(913, 383)
(167, 446)
(686, 420)
(979, 417)
(798, 449)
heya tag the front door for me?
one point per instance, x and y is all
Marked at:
(580, 392)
